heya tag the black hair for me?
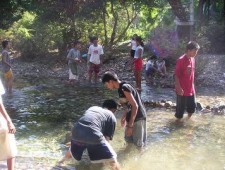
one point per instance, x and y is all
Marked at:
(192, 45)
(139, 39)
(110, 104)
(154, 57)
(5, 43)
(107, 76)
(76, 42)
(94, 38)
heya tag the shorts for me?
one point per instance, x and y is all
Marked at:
(138, 64)
(98, 153)
(72, 76)
(94, 68)
(149, 72)
(132, 52)
(185, 103)
(139, 135)
(8, 75)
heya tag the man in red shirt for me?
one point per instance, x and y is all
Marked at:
(184, 81)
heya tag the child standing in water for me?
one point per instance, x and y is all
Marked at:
(8, 149)
(184, 81)
(138, 63)
(7, 66)
(135, 118)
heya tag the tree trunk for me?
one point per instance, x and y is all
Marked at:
(115, 15)
(178, 10)
(184, 28)
(105, 23)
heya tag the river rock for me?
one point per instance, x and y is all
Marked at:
(168, 103)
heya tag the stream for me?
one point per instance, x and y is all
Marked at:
(44, 111)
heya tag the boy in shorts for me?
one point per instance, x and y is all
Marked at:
(184, 81)
(135, 118)
(95, 53)
(93, 131)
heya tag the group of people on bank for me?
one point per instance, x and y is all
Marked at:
(97, 126)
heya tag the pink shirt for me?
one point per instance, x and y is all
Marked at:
(185, 71)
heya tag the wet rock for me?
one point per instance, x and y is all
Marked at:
(168, 103)
(199, 106)
(208, 107)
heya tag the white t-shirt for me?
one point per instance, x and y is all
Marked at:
(133, 44)
(136, 55)
(160, 64)
(95, 53)
(149, 64)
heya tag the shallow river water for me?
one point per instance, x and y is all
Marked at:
(43, 115)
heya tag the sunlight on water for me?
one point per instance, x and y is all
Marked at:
(43, 117)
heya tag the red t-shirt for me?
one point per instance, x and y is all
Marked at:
(185, 71)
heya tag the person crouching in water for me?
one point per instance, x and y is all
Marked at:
(135, 118)
(92, 132)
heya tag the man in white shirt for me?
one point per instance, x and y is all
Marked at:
(95, 53)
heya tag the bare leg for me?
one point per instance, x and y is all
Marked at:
(11, 163)
(10, 84)
(90, 77)
(114, 165)
(139, 79)
(66, 157)
(135, 76)
(96, 77)
(189, 116)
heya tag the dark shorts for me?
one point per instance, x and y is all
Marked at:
(132, 52)
(185, 103)
(94, 68)
(98, 153)
(149, 72)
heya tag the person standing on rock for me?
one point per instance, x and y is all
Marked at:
(74, 59)
(184, 81)
(7, 66)
(134, 118)
(8, 148)
(95, 53)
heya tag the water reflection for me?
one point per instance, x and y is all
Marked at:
(43, 115)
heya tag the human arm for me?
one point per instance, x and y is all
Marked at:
(123, 117)
(178, 88)
(10, 125)
(89, 54)
(134, 108)
(70, 56)
(101, 55)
